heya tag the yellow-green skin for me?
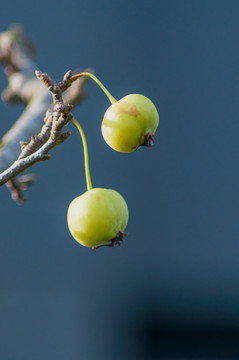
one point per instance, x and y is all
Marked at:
(127, 121)
(97, 216)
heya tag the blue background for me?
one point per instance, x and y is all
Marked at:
(178, 268)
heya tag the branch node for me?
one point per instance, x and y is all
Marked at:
(23, 144)
(59, 107)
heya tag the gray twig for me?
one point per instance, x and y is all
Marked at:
(50, 135)
(19, 147)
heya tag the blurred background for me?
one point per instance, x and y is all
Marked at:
(171, 290)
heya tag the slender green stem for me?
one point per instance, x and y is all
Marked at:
(93, 77)
(86, 158)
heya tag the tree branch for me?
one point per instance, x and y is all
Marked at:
(51, 133)
(16, 53)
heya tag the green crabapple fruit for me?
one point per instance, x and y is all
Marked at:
(98, 217)
(129, 123)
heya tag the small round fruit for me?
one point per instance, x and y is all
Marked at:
(129, 123)
(97, 217)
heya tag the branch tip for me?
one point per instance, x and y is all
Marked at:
(38, 73)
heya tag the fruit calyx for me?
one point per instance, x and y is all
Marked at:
(116, 241)
(148, 140)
